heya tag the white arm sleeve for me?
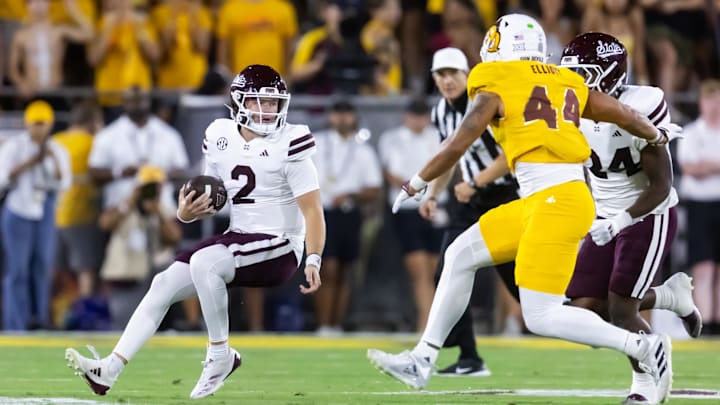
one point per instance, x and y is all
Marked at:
(180, 157)
(373, 172)
(301, 176)
(100, 156)
(7, 162)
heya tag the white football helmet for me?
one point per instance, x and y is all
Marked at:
(514, 37)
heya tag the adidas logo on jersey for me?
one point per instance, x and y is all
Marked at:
(264, 153)
(604, 50)
(616, 133)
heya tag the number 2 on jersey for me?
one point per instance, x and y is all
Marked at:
(249, 186)
(539, 107)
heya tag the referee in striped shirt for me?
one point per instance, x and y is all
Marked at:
(480, 190)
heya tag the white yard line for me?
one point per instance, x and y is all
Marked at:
(73, 401)
(689, 393)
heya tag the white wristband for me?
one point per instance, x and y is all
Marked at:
(313, 259)
(417, 183)
(661, 135)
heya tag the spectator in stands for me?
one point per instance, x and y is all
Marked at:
(33, 168)
(123, 53)
(38, 48)
(256, 31)
(681, 42)
(558, 28)
(12, 14)
(419, 239)
(80, 242)
(135, 139)
(350, 176)
(699, 158)
(309, 71)
(141, 229)
(624, 20)
(378, 39)
(463, 28)
(183, 27)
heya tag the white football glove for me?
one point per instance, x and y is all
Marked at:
(666, 133)
(417, 184)
(603, 231)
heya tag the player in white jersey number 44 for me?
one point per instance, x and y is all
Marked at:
(272, 184)
(631, 184)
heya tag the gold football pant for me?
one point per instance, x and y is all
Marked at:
(541, 233)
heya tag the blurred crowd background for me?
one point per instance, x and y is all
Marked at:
(132, 84)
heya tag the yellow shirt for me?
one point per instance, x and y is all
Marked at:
(486, 8)
(182, 67)
(78, 204)
(379, 40)
(257, 32)
(59, 15)
(12, 10)
(543, 105)
(124, 64)
(17, 10)
(306, 46)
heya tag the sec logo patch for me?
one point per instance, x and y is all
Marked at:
(222, 143)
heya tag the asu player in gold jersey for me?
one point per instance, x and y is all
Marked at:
(534, 110)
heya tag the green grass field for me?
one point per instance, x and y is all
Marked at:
(309, 370)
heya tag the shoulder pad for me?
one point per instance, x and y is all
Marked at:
(648, 101)
(482, 76)
(301, 143)
(215, 131)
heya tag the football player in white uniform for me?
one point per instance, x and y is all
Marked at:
(631, 184)
(272, 185)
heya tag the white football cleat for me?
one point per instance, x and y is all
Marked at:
(94, 371)
(643, 391)
(406, 367)
(657, 361)
(681, 286)
(214, 373)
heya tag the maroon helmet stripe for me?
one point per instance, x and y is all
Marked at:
(301, 148)
(657, 110)
(301, 139)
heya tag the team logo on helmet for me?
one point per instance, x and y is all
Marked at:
(492, 39)
(240, 80)
(605, 49)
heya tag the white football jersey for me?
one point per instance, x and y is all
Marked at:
(616, 176)
(263, 177)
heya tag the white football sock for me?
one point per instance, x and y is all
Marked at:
(219, 350)
(664, 298)
(211, 268)
(546, 315)
(426, 351)
(114, 365)
(466, 254)
(167, 288)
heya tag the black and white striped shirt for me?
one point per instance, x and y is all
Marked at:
(481, 153)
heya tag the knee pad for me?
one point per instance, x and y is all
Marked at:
(468, 251)
(216, 259)
(538, 309)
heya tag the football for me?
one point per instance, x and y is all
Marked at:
(208, 185)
